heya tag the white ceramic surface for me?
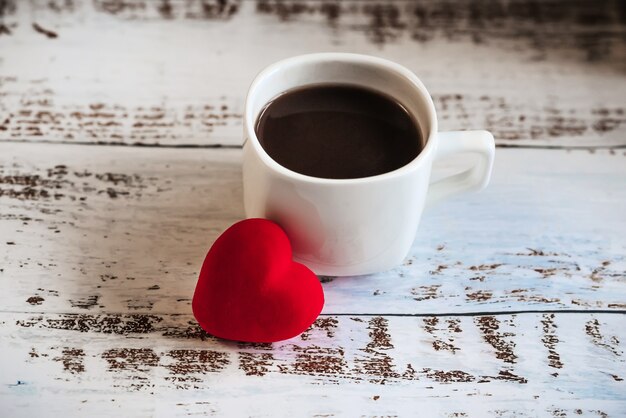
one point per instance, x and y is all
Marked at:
(344, 227)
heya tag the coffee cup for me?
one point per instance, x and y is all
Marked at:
(355, 226)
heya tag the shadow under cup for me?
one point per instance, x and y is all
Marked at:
(340, 226)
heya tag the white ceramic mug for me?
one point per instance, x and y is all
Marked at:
(343, 227)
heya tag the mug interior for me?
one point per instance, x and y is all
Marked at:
(339, 68)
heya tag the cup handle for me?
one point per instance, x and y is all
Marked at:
(473, 179)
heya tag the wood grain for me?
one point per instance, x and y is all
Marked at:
(505, 365)
(126, 230)
(175, 72)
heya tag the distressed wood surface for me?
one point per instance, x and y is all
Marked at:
(102, 251)
(503, 366)
(126, 230)
(535, 73)
(512, 302)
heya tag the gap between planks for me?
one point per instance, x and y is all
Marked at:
(240, 146)
(366, 315)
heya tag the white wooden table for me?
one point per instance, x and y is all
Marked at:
(120, 156)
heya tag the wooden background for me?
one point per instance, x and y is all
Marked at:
(120, 135)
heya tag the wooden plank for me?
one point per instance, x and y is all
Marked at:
(124, 230)
(176, 72)
(507, 365)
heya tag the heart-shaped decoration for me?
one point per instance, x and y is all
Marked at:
(250, 289)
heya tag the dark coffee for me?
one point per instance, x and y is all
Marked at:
(338, 132)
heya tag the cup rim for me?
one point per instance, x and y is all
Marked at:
(408, 75)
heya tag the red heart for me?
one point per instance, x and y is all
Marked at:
(249, 288)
